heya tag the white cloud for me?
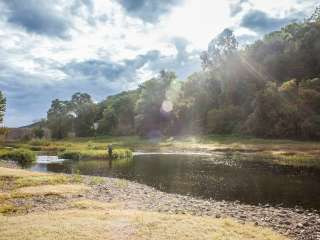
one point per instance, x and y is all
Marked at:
(34, 60)
(198, 21)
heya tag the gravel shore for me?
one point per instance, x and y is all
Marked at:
(295, 223)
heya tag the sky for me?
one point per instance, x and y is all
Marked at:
(52, 49)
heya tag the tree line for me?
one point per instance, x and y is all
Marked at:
(270, 88)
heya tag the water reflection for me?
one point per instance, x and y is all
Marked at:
(222, 177)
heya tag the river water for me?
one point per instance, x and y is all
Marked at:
(232, 177)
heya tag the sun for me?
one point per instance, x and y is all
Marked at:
(198, 23)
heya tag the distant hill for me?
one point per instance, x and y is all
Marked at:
(33, 125)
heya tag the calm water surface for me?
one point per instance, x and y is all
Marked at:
(222, 177)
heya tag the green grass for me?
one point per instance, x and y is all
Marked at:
(95, 154)
(17, 178)
(75, 149)
(41, 180)
(69, 155)
(300, 160)
(122, 183)
(97, 180)
(7, 208)
(95, 148)
(77, 178)
(19, 155)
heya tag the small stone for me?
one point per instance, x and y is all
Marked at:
(300, 225)
(285, 222)
(218, 216)
(306, 224)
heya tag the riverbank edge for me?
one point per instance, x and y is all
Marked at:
(283, 152)
(294, 223)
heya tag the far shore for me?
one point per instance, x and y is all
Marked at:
(286, 152)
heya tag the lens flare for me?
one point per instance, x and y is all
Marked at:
(166, 106)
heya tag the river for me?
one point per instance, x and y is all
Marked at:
(222, 176)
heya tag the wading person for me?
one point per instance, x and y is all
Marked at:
(110, 151)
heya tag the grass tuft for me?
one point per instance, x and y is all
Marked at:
(122, 183)
(95, 154)
(97, 180)
(41, 180)
(72, 155)
(45, 190)
(8, 209)
(77, 178)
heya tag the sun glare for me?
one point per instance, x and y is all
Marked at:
(199, 23)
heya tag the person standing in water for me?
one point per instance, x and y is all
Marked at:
(110, 151)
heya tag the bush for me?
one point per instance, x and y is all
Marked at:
(121, 154)
(35, 148)
(72, 155)
(38, 132)
(95, 154)
(19, 155)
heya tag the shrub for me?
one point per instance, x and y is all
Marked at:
(19, 155)
(121, 153)
(95, 154)
(72, 155)
(35, 148)
(38, 132)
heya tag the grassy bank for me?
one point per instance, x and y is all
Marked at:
(287, 152)
(90, 219)
(95, 154)
(74, 149)
(107, 223)
(20, 155)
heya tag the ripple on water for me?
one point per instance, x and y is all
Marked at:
(49, 159)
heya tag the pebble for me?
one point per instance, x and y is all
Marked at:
(300, 225)
(296, 223)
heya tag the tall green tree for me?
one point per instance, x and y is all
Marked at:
(152, 116)
(270, 88)
(219, 49)
(315, 17)
(84, 113)
(59, 118)
(118, 113)
(2, 106)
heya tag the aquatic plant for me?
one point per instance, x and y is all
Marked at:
(95, 154)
